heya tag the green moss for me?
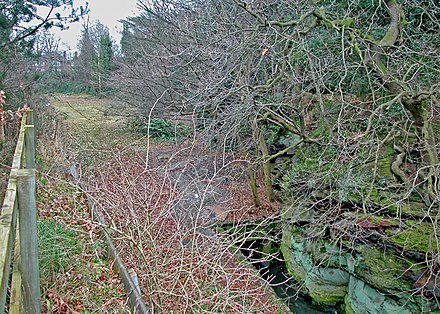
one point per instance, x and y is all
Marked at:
(389, 149)
(293, 268)
(414, 209)
(344, 22)
(382, 270)
(269, 247)
(321, 131)
(380, 220)
(417, 236)
(380, 198)
(347, 307)
(435, 127)
(298, 213)
(384, 168)
(353, 197)
(394, 204)
(326, 294)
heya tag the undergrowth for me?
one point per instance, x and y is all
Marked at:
(161, 129)
(76, 276)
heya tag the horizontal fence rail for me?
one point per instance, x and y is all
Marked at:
(18, 229)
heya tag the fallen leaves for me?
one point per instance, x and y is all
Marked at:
(180, 269)
(182, 265)
(84, 283)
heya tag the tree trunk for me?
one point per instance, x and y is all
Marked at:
(266, 168)
(428, 149)
(253, 186)
(259, 141)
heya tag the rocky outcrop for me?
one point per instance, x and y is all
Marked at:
(365, 279)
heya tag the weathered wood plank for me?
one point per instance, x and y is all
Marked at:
(18, 154)
(30, 117)
(8, 217)
(27, 214)
(8, 220)
(15, 305)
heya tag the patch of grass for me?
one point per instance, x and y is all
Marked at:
(58, 246)
(91, 121)
(75, 276)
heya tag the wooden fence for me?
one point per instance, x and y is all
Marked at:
(18, 229)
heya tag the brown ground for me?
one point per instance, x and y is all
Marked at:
(162, 200)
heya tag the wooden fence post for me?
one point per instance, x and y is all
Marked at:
(27, 215)
(30, 117)
(29, 130)
(30, 146)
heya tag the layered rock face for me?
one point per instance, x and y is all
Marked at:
(362, 279)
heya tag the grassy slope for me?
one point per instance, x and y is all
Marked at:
(75, 274)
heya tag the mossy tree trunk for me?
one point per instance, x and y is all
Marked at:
(428, 150)
(268, 187)
(261, 143)
(253, 186)
(418, 104)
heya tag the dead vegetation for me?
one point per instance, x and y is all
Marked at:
(75, 274)
(161, 201)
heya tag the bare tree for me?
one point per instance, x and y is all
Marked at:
(337, 102)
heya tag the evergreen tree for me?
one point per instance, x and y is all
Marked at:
(95, 58)
(105, 56)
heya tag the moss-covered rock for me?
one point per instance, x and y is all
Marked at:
(382, 270)
(366, 278)
(325, 294)
(415, 236)
(409, 208)
(268, 247)
(384, 168)
(293, 267)
(362, 298)
(333, 276)
(297, 213)
(395, 204)
(346, 307)
(380, 220)
(326, 286)
(326, 255)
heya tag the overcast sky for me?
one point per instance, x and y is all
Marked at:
(108, 12)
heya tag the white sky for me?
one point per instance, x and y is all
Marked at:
(108, 12)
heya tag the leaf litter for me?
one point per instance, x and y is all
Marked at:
(162, 205)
